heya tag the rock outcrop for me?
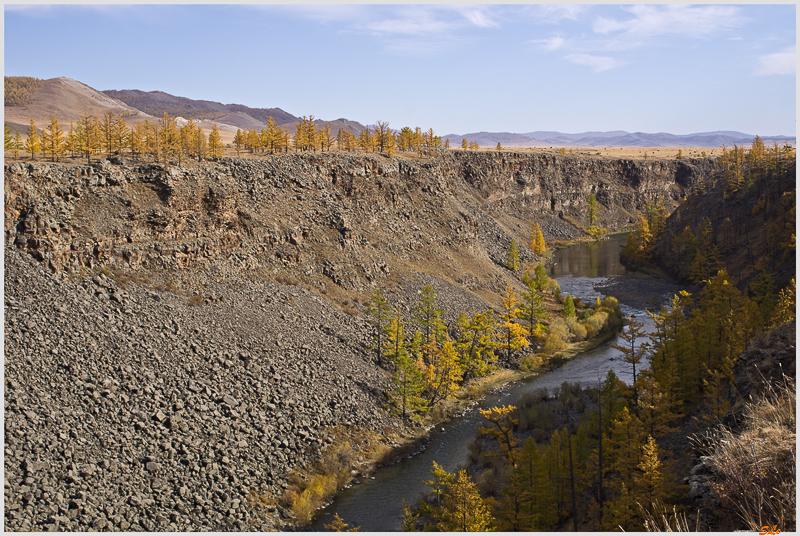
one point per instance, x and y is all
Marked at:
(324, 218)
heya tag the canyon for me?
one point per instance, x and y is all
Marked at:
(180, 337)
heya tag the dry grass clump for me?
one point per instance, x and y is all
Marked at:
(674, 522)
(287, 280)
(311, 488)
(756, 468)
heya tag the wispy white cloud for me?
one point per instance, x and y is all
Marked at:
(412, 26)
(597, 63)
(478, 16)
(779, 63)
(402, 28)
(553, 43)
(322, 13)
(690, 21)
(555, 13)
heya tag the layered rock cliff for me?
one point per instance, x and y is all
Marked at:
(349, 220)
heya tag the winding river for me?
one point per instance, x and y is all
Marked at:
(376, 504)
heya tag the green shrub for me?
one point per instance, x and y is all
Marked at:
(576, 328)
(530, 363)
(612, 303)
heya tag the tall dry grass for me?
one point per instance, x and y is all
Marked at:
(660, 520)
(756, 467)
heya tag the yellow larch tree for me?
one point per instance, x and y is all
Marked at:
(537, 244)
(511, 336)
(215, 147)
(32, 143)
(55, 139)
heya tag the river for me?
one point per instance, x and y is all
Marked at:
(376, 504)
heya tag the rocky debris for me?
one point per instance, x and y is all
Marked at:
(152, 414)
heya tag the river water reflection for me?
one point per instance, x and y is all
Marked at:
(376, 505)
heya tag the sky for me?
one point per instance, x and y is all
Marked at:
(458, 69)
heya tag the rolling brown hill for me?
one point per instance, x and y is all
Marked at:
(67, 100)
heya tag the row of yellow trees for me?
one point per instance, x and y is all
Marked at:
(164, 140)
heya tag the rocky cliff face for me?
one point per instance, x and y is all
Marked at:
(157, 368)
(349, 220)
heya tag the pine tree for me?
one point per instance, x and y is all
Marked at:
(382, 135)
(238, 141)
(32, 144)
(107, 126)
(537, 244)
(338, 525)
(785, 310)
(405, 139)
(121, 134)
(408, 383)
(512, 260)
(540, 279)
(428, 316)
(252, 141)
(273, 135)
(136, 140)
(536, 495)
(463, 509)
(592, 209)
(443, 371)
(533, 306)
(475, 344)
(649, 484)
(17, 145)
(511, 335)
(55, 140)
(569, 308)
(9, 139)
(169, 138)
(327, 137)
(502, 430)
(215, 147)
(441, 480)
(631, 353)
(380, 312)
(88, 136)
(199, 144)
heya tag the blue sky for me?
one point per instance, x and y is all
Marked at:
(454, 68)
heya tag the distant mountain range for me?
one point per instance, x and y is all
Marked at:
(68, 99)
(616, 138)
